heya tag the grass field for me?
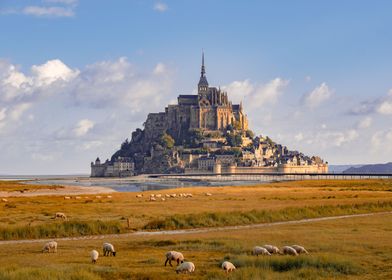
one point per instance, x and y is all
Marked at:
(355, 248)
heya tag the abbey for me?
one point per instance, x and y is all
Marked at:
(202, 133)
(209, 110)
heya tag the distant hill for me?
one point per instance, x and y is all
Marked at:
(383, 168)
(342, 167)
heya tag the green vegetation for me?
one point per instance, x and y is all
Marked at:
(262, 216)
(60, 229)
(234, 139)
(167, 141)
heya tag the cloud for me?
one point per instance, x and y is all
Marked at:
(317, 96)
(253, 95)
(160, 7)
(83, 126)
(40, 11)
(52, 71)
(385, 107)
(365, 123)
(160, 68)
(18, 110)
(62, 8)
(382, 141)
(299, 137)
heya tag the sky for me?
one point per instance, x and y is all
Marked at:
(78, 76)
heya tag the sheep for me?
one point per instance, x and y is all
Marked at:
(67, 197)
(208, 194)
(78, 197)
(94, 256)
(173, 195)
(174, 256)
(167, 195)
(60, 215)
(272, 249)
(257, 250)
(98, 196)
(287, 250)
(299, 249)
(188, 195)
(152, 198)
(50, 246)
(158, 195)
(4, 200)
(228, 266)
(139, 196)
(109, 196)
(163, 199)
(108, 249)
(185, 267)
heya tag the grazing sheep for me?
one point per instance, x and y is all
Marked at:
(94, 256)
(60, 215)
(167, 195)
(139, 196)
(299, 249)
(67, 197)
(185, 267)
(208, 194)
(257, 250)
(163, 199)
(108, 249)
(287, 250)
(189, 195)
(174, 256)
(98, 196)
(50, 246)
(109, 196)
(158, 195)
(152, 198)
(4, 200)
(272, 249)
(78, 197)
(228, 266)
(173, 195)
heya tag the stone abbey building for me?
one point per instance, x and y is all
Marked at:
(209, 110)
(203, 132)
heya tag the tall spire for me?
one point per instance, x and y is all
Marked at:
(203, 69)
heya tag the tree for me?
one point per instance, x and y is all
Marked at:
(250, 134)
(234, 140)
(167, 141)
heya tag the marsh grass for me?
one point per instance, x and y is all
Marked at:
(60, 229)
(76, 273)
(261, 216)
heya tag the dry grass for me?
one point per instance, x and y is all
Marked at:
(32, 217)
(18, 186)
(356, 248)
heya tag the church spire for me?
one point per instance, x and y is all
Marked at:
(203, 83)
(203, 69)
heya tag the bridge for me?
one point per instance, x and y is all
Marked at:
(267, 177)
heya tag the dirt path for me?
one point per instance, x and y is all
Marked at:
(192, 231)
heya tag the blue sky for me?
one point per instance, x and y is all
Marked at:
(77, 76)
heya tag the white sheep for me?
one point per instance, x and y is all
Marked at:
(109, 196)
(287, 250)
(158, 195)
(50, 246)
(78, 197)
(98, 196)
(257, 250)
(185, 267)
(208, 194)
(152, 198)
(272, 249)
(139, 195)
(67, 197)
(189, 195)
(299, 249)
(167, 195)
(94, 256)
(228, 266)
(108, 249)
(4, 200)
(163, 199)
(173, 195)
(174, 256)
(60, 215)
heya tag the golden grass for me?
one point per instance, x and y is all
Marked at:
(18, 186)
(355, 248)
(32, 217)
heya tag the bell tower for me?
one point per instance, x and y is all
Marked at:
(202, 87)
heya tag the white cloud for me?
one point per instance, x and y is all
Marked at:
(83, 127)
(17, 111)
(160, 7)
(365, 123)
(308, 78)
(382, 140)
(255, 96)
(91, 145)
(3, 114)
(52, 71)
(41, 11)
(385, 107)
(160, 68)
(317, 96)
(299, 137)
(42, 157)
